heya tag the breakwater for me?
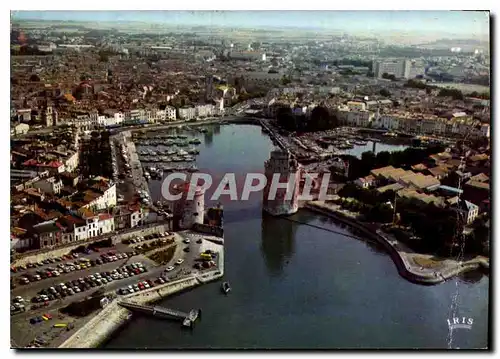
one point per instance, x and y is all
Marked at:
(401, 259)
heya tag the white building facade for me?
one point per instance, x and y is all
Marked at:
(108, 199)
(398, 68)
(170, 113)
(187, 113)
(204, 110)
(95, 226)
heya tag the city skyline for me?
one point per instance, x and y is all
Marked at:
(473, 24)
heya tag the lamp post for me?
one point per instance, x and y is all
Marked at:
(394, 208)
(394, 213)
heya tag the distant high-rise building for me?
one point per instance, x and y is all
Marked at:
(398, 68)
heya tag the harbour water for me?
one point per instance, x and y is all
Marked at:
(297, 286)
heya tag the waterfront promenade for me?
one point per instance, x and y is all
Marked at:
(415, 267)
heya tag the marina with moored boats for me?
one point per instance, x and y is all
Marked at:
(163, 153)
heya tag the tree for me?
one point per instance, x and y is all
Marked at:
(285, 80)
(415, 84)
(479, 240)
(385, 93)
(103, 56)
(321, 119)
(367, 161)
(285, 118)
(387, 76)
(383, 159)
(485, 95)
(35, 78)
(454, 93)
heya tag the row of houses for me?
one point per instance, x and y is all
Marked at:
(168, 114)
(380, 114)
(116, 118)
(76, 227)
(206, 110)
(459, 124)
(51, 210)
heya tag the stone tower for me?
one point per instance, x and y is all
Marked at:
(188, 212)
(282, 163)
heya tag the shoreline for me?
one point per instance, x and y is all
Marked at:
(401, 259)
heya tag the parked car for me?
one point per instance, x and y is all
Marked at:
(123, 291)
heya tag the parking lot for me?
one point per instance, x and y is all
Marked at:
(86, 283)
(109, 263)
(19, 271)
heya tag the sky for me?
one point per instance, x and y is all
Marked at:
(466, 24)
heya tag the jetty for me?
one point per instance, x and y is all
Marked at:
(188, 319)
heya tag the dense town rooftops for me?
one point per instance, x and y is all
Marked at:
(481, 177)
(439, 171)
(391, 187)
(47, 227)
(410, 193)
(479, 185)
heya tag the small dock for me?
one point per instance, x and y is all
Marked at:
(188, 319)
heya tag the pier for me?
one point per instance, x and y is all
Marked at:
(187, 319)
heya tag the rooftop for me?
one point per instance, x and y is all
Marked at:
(478, 184)
(392, 187)
(451, 189)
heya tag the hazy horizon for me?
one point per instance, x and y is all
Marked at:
(464, 24)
